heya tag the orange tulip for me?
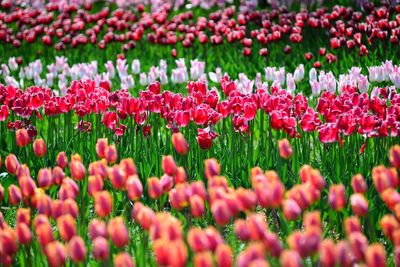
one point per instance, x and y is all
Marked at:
(389, 225)
(220, 212)
(56, 254)
(203, 259)
(352, 224)
(285, 149)
(197, 240)
(66, 227)
(45, 178)
(168, 165)
(62, 160)
(154, 187)
(384, 178)
(24, 216)
(180, 144)
(95, 184)
(128, 166)
(337, 196)
(77, 170)
(118, 232)
(117, 177)
(22, 137)
(123, 259)
(290, 258)
(101, 146)
(14, 195)
(111, 154)
(197, 206)
(39, 148)
(27, 185)
(180, 176)
(394, 156)
(100, 249)
(76, 249)
(327, 253)
(103, 203)
(358, 184)
(24, 233)
(44, 234)
(11, 164)
(224, 256)
(376, 255)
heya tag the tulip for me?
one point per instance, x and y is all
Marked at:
(220, 212)
(14, 195)
(77, 170)
(45, 178)
(39, 148)
(285, 150)
(123, 259)
(22, 137)
(100, 249)
(290, 258)
(11, 164)
(111, 154)
(58, 175)
(168, 165)
(394, 156)
(359, 204)
(203, 259)
(197, 206)
(101, 146)
(44, 233)
(134, 188)
(376, 255)
(224, 256)
(154, 187)
(103, 203)
(291, 210)
(180, 144)
(359, 245)
(328, 255)
(24, 234)
(211, 168)
(337, 196)
(97, 229)
(118, 232)
(76, 249)
(180, 175)
(56, 253)
(62, 160)
(66, 227)
(358, 184)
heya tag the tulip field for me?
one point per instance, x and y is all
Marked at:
(248, 133)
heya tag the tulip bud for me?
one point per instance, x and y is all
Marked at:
(180, 144)
(103, 203)
(77, 170)
(95, 184)
(111, 154)
(358, 184)
(101, 146)
(180, 176)
(11, 164)
(285, 149)
(389, 225)
(359, 204)
(197, 206)
(327, 253)
(128, 166)
(97, 228)
(396, 255)
(352, 225)
(154, 187)
(24, 233)
(118, 232)
(44, 233)
(337, 196)
(224, 256)
(39, 148)
(58, 175)
(359, 245)
(291, 210)
(220, 212)
(45, 178)
(76, 249)
(203, 259)
(376, 255)
(394, 156)
(290, 258)
(168, 165)
(66, 227)
(70, 207)
(22, 137)
(56, 254)
(62, 160)
(211, 168)
(134, 188)
(100, 249)
(14, 195)
(123, 259)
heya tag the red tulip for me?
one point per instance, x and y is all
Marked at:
(56, 254)
(123, 259)
(285, 149)
(39, 148)
(22, 137)
(103, 203)
(180, 144)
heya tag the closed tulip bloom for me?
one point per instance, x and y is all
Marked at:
(14, 195)
(285, 149)
(58, 175)
(24, 233)
(100, 249)
(103, 203)
(327, 253)
(180, 176)
(359, 205)
(224, 256)
(11, 164)
(221, 212)
(118, 232)
(123, 259)
(211, 168)
(76, 249)
(352, 224)
(345, 255)
(203, 259)
(24, 216)
(39, 148)
(384, 178)
(22, 137)
(95, 184)
(45, 178)
(154, 187)
(376, 255)
(246, 198)
(168, 165)
(27, 185)
(242, 230)
(166, 183)
(290, 258)
(97, 228)
(308, 174)
(43, 203)
(62, 160)
(66, 227)
(396, 255)
(394, 156)
(312, 219)
(143, 215)
(56, 254)
(78, 171)
(291, 210)
(134, 187)
(128, 166)
(70, 207)
(253, 252)
(359, 244)
(389, 225)
(180, 144)
(8, 240)
(101, 146)
(337, 196)
(44, 233)
(117, 177)
(111, 154)
(358, 184)
(197, 206)
(197, 240)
